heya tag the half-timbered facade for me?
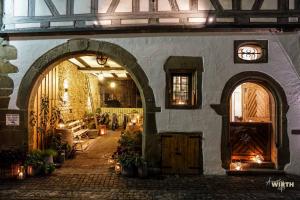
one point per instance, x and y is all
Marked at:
(219, 79)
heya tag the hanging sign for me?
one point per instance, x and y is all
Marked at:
(12, 119)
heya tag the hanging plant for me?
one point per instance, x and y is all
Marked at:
(32, 119)
(44, 119)
(55, 117)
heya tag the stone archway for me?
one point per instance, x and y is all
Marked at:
(118, 54)
(281, 106)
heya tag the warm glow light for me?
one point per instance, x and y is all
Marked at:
(258, 159)
(211, 19)
(100, 77)
(112, 84)
(134, 121)
(111, 161)
(236, 166)
(21, 173)
(118, 168)
(29, 170)
(102, 129)
(66, 84)
(61, 125)
(180, 102)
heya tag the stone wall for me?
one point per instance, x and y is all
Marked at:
(10, 136)
(73, 92)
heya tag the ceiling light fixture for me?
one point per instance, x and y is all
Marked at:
(101, 59)
(101, 76)
(113, 85)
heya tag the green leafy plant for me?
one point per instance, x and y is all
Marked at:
(34, 158)
(48, 168)
(129, 150)
(130, 159)
(49, 152)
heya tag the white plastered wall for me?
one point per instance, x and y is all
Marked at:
(152, 51)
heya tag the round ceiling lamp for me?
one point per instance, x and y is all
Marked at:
(113, 85)
(101, 59)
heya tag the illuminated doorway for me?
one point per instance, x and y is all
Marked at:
(252, 125)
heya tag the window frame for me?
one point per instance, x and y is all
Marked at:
(263, 44)
(193, 68)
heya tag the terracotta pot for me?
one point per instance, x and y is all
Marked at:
(49, 159)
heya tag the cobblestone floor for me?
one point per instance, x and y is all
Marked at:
(82, 179)
(111, 186)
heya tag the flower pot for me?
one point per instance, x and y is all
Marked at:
(128, 171)
(15, 170)
(49, 160)
(33, 171)
(62, 157)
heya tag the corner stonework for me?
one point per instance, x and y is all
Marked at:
(7, 52)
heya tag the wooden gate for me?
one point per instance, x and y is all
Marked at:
(181, 154)
(250, 139)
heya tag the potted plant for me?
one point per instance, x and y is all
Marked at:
(48, 155)
(48, 168)
(128, 161)
(34, 162)
(55, 143)
(129, 153)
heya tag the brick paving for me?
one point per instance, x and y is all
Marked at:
(80, 180)
(111, 186)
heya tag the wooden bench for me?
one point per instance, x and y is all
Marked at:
(73, 133)
(77, 128)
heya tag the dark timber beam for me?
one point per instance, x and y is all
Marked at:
(1, 12)
(135, 6)
(283, 5)
(102, 69)
(174, 5)
(83, 62)
(216, 4)
(297, 4)
(70, 7)
(236, 4)
(52, 7)
(194, 5)
(31, 8)
(114, 75)
(113, 6)
(257, 4)
(94, 6)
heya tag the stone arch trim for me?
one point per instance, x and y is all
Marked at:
(282, 144)
(85, 46)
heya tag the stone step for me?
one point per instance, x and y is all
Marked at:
(263, 165)
(255, 172)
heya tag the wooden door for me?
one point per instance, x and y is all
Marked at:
(193, 155)
(256, 103)
(181, 154)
